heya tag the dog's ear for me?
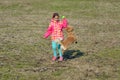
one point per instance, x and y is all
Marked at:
(69, 29)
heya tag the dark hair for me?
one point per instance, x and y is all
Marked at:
(55, 14)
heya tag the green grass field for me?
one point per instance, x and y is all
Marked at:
(25, 55)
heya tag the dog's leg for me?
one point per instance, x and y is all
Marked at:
(63, 47)
(60, 42)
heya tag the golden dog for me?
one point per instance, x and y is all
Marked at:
(71, 38)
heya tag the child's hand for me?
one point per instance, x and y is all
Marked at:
(44, 37)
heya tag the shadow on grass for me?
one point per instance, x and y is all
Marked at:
(71, 54)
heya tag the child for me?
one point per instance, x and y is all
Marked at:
(55, 31)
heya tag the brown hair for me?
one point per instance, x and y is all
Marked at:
(55, 14)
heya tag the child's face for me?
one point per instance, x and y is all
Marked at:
(56, 18)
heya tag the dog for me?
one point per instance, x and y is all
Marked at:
(71, 38)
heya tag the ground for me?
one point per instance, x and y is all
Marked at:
(25, 55)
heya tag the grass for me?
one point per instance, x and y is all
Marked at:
(111, 53)
(25, 55)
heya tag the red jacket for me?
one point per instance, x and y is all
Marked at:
(55, 29)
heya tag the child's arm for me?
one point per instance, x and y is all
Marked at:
(48, 32)
(64, 22)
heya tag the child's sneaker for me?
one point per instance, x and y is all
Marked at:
(61, 59)
(54, 58)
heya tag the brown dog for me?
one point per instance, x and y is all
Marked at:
(71, 38)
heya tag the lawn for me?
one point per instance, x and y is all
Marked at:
(25, 55)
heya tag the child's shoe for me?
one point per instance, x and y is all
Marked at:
(54, 58)
(61, 59)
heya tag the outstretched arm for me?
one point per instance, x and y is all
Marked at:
(48, 31)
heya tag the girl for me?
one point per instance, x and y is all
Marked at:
(55, 31)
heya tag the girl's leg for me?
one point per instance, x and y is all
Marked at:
(60, 52)
(54, 48)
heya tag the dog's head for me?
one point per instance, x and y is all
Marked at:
(69, 29)
(70, 34)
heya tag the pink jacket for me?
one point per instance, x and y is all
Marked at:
(55, 29)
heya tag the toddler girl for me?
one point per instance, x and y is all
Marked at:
(55, 30)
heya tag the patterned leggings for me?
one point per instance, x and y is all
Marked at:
(55, 47)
